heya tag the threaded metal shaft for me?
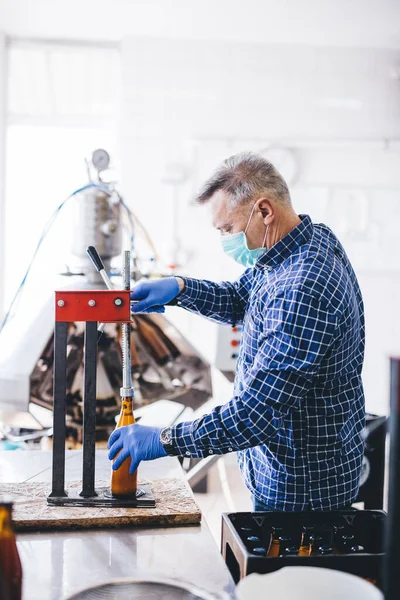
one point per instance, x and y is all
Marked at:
(127, 389)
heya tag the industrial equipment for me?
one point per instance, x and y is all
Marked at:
(92, 307)
(164, 364)
(227, 349)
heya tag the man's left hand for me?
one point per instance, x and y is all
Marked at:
(137, 441)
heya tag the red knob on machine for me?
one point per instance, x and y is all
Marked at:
(235, 343)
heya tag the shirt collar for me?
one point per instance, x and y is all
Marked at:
(287, 245)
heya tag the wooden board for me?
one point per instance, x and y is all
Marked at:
(175, 506)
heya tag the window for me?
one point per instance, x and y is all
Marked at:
(62, 104)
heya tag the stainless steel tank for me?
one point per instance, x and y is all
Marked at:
(96, 222)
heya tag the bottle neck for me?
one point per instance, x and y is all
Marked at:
(6, 530)
(126, 407)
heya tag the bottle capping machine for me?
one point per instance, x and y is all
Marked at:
(93, 308)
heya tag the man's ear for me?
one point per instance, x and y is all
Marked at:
(266, 209)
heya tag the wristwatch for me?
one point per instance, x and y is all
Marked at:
(166, 441)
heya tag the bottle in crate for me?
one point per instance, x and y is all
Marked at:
(307, 532)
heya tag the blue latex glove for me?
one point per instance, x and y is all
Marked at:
(137, 441)
(152, 295)
(152, 309)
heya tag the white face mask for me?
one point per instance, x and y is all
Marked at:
(235, 246)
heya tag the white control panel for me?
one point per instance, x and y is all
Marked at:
(228, 345)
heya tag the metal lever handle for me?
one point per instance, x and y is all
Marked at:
(95, 258)
(99, 266)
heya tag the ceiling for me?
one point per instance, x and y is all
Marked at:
(355, 23)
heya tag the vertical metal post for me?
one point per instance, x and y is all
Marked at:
(89, 410)
(392, 558)
(60, 391)
(126, 389)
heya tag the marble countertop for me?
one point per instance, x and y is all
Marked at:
(58, 564)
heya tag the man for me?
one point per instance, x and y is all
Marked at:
(297, 412)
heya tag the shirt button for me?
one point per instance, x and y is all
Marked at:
(211, 452)
(187, 452)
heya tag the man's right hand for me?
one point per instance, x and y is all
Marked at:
(153, 295)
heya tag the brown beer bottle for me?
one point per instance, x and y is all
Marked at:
(122, 482)
(304, 549)
(273, 549)
(10, 564)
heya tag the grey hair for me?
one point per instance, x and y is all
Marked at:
(243, 177)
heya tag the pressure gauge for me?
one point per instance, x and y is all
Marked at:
(100, 159)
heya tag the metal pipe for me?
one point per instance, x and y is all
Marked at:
(59, 410)
(106, 279)
(89, 411)
(109, 286)
(98, 264)
(127, 389)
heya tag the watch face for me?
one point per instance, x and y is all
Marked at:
(165, 436)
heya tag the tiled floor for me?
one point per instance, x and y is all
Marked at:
(226, 493)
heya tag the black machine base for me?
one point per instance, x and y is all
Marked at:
(144, 498)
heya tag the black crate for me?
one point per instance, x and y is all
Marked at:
(243, 532)
(373, 466)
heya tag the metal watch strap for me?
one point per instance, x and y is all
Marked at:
(168, 447)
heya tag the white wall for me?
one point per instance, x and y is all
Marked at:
(189, 104)
(311, 22)
(2, 160)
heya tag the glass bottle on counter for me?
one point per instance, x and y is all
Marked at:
(10, 564)
(122, 482)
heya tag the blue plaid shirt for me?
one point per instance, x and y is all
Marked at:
(297, 412)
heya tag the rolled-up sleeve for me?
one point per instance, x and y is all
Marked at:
(298, 331)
